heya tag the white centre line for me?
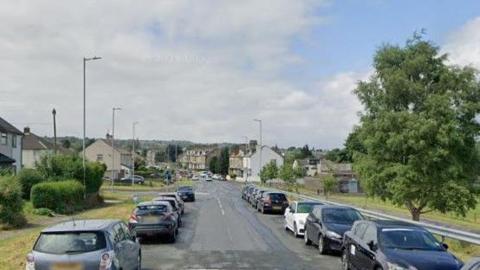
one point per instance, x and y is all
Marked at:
(221, 207)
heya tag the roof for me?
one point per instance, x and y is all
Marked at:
(162, 198)
(82, 225)
(109, 143)
(8, 128)
(329, 206)
(394, 223)
(34, 142)
(153, 203)
(6, 160)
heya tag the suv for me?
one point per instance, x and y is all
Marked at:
(86, 244)
(154, 218)
(272, 202)
(186, 193)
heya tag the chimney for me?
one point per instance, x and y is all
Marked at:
(26, 130)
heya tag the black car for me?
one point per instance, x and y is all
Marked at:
(326, 225)
(386, 245)
(186, 193)
(272, 202)
(154, 218)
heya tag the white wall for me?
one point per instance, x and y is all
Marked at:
(253, 166)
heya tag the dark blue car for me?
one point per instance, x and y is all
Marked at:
(384, 245)
(186, 193)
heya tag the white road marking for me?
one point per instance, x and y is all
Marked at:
(221, 207)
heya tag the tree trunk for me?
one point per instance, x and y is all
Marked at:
(415, 212)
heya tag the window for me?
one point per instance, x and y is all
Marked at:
(3, 138)
(14, 141)
(99, 157)
(70, 242)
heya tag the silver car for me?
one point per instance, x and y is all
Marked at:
(86, 244)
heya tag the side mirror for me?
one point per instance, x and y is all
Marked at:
(372, 246)
(445, 246)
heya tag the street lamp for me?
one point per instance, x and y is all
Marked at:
(84, 117)
(54, 113)
(260, 152)
(113, 145)
(133, 152)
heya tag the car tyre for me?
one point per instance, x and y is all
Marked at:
(305, 238)
(345, 262)
(322, 248)
(173, 236)
(139, 262)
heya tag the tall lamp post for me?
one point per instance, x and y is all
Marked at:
(54, 113)
(85, 60)
(133, 152)
(260, 149)
(113, 144)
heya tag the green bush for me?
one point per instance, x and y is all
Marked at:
(61, 197)
(28, 178)
(11, 202)
(61, 167)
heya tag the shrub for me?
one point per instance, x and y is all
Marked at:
(11, 202)
(61, 197)
(61, 167)
(28, 178)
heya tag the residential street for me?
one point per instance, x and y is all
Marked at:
(221, 231)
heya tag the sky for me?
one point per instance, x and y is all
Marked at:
(203, 70)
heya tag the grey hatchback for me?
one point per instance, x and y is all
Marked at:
(86, 244)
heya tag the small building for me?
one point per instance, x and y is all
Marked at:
(253, 162)
(198, 158)
(236, 162)
(118, 161)
(343, 173)
(35, 147)
(309, 165)
(11, 140)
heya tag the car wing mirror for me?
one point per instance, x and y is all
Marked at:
(372, 246)
(445, 246)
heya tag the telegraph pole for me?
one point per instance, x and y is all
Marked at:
(54, 113)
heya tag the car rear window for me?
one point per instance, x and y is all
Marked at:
(277, 196)
(185, 189)
(151, 210)
(70, 242)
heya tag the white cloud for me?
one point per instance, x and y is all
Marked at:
(463, 46)
(185, 69)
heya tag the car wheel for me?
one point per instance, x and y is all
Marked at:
(180, 223)
(173, 236)
(295, 231)
(345, 262)
(139, 262)
(322, 249)
(305, 238)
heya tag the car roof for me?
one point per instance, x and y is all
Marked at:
(309, 202)
(166, 193)
(339, 207)
(164, 199)
(395, 224)
(180, 187)
(152, 203)
(275, 192)
(82, 225)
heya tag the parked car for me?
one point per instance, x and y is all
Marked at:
(272, 202)
(325, 226)
(175, 205)
(256, 197)
(154, 218)
(296, 216)
(252, 195)
(249, 192)
(186, 193)
(473, 264)
(395, 245)
(195, 178)
(86, 244)
(176, 196)
(137, 179)
(208, 178)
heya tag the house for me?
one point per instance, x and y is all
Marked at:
(309, 165)
(118, 161)
(150, 158)
(10, 146)
(198, 158)
(343, 172)
(236, 162)
(35, 147)
(254, 161)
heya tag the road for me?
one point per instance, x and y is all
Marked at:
(221, 231)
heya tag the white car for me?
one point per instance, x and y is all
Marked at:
(296, 216)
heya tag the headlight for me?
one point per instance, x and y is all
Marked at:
(331, 234)
(394, 266)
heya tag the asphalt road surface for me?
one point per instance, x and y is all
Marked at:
(221, 231)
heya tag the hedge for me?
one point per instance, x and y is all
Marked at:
(11, 202)
(28, 178)
(62, 196)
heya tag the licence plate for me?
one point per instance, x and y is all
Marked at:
(67, 266)
(150, 219)
(277, 208)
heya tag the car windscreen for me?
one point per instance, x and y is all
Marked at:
(158, 209)
(277, 196)
(340, 216)
(413, 239)
(185, 189)
(70, 242)
(171, 202)
(305, 208)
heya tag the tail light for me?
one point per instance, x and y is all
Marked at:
(30, 265)
(133, 218)
(267, 200)
(106, 261)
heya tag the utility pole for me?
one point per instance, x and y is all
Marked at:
(113, 144)
(133, 152)
(261, 145)
(85, 117)
(54, 113)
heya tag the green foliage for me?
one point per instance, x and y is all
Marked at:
(286, 173)
(224, 161)
(28, 178)
(329, 184)
(338, 155)
(61, 197)
(213, 165)
(61, 167)
(418, 130)
(269, 171)
(11, 202)
(293, 153)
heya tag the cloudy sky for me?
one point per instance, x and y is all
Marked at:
(203, 70)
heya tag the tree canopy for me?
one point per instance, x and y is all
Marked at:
(416, 142)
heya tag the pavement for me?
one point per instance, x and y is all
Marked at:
(221, 231)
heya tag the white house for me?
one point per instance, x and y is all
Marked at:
(10, 146)
(101, 151)
(252, 164)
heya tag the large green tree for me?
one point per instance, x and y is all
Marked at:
(418, 130)
(269, 171)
